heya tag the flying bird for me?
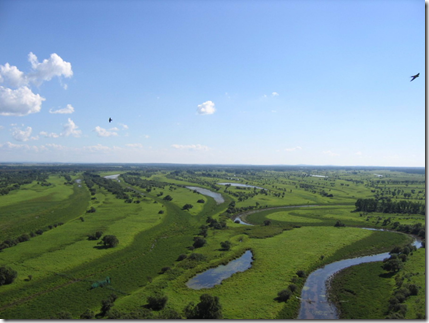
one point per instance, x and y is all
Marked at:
(414, 77)
(110, 120)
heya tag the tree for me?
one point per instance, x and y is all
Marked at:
(156, 303)
(200, 201)
(300, 273)
(267, 222)
(7, 275)
(110, 241)
(106, 304)
(199, 242)
(87, 315)
(187, 206)
(209, 307)
(226, 245)
(392, 265)
(283, 295)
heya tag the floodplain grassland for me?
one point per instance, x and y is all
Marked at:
(63, 263)
(353, 285)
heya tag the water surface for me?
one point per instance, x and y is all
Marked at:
(241, 185)
(217, 196)
(214, 276)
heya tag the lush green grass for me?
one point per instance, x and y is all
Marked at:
(352, 287)
(64, 263)
(34, 206)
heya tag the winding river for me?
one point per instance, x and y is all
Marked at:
(314, 302)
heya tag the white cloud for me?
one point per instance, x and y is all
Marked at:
(359, 153)
(191, 147)
(12, 76)
(22, 135)
(67, 110)
(207, 107)
(114, 129)
(293, 149)
(330, 153)
(124, 126)
(19, 102)
(147, 136)
(134, 145)
(48, 135)
(274, 94)
(70, 128)
(104, 133)
(25, 147)
(45, 71)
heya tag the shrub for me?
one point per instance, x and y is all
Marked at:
(87, 315)
(226, 245)
(110, 241)
(199, 242)
(300, 273)
(7, 275)
(283, 295)
(209, 307)
(156, 303)
(292, 287)
(182, 257)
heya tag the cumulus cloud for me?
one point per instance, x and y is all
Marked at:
(45, 71)
(49, 135)
(124, 126)
(67, 110)
(207, 107)
(16, 97)
(70, 128)
(19, 102)
(12, 76)
(293, 149)
(274, 94)
(24, 147)
(22, 135)
(191, 147)
(104, 133)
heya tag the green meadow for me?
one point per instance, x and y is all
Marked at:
(47, 231)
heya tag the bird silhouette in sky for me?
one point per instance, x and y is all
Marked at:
(110, 120)
(414, 77)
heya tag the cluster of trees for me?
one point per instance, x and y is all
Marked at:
(397, 309)
(131, 179)
(12, 180)
(112, 186)
(388, 206)
(8, 243)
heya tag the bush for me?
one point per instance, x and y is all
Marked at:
(283, 295)
(199, 242)
(182, 257)
(87, 315)
(200, 201)
(156, 303)
(110, 241)
(226, 245)
(7, 275)
(209, 307)
(300, 273)
(292, 287)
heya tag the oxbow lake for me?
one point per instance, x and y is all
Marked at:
(214, 276)
(241, 185)
(217, 196)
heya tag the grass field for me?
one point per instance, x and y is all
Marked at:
(63, 263)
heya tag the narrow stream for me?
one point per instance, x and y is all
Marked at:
(214, 276)
(314, 301)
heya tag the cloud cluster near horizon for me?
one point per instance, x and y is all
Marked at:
(16, 96)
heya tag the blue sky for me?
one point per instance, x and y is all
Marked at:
(213, 82)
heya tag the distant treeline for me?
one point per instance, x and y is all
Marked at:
(112, 186)
(12, 180)
(388, 206)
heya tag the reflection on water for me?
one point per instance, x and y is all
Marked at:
(217, 196)
(241, 185)
(112, 176)
(214, 276)
(314, 301)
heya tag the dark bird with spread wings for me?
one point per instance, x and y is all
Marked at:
(414, 77)
(110, 120)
